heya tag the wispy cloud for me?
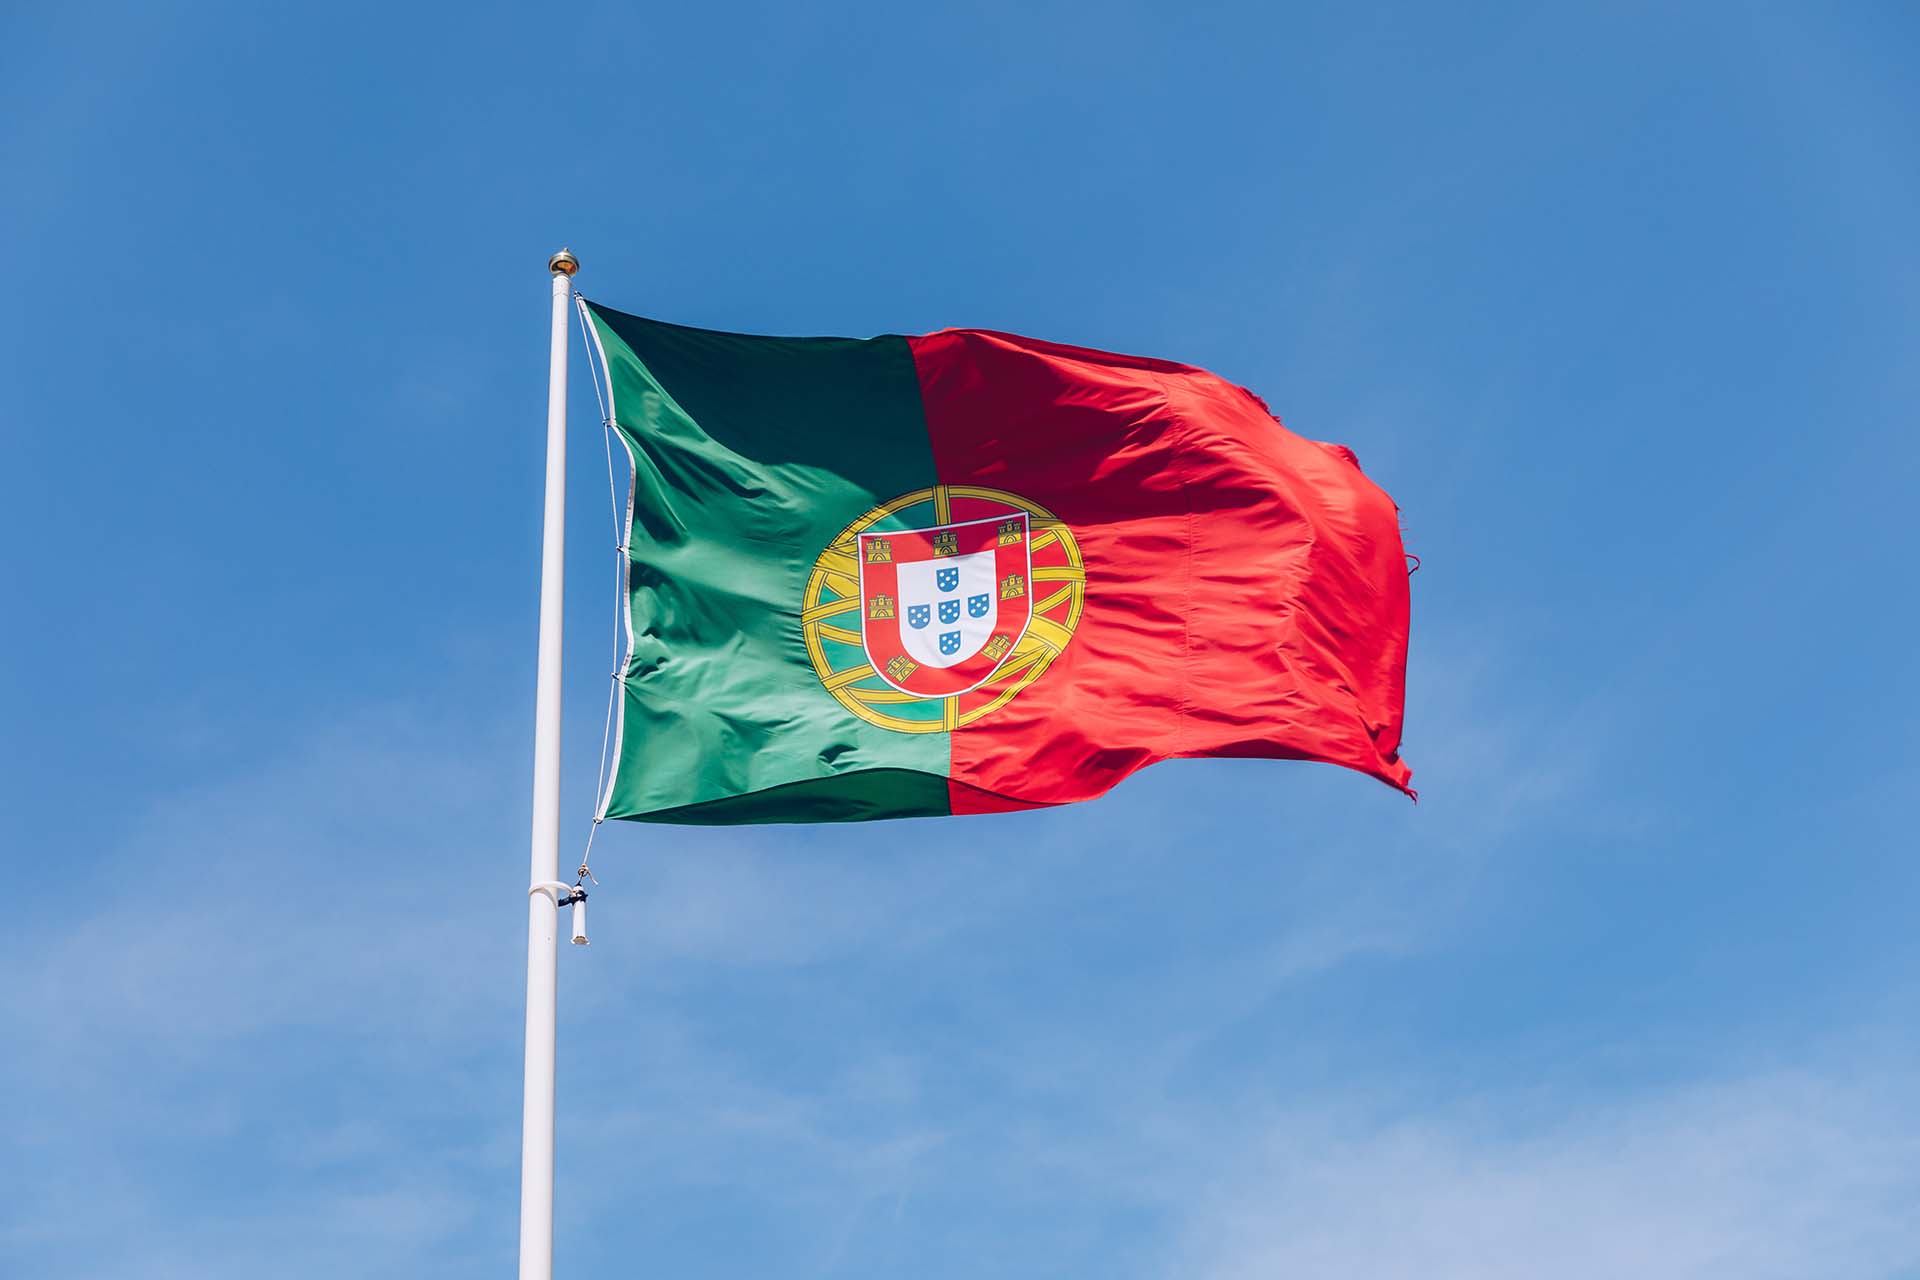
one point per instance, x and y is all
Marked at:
(1779, 1176)
(270, 1033)
(284, 1033)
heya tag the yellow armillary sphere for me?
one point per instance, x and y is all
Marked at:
(939, 607)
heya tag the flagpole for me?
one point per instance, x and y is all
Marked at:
(545, 891)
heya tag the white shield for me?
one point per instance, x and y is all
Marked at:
(947, 608)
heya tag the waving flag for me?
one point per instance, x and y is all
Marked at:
(972, 572)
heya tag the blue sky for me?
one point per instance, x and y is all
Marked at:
(1619, 301)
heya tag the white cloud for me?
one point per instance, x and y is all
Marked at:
(831, 1030)
(260, 1035)
(1786, 1176)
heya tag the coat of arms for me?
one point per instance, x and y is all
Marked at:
(961, 588)
(939, 607)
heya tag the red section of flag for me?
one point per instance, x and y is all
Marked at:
(1246, 588)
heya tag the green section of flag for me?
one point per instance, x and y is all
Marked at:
(844, 797)
(750, 454)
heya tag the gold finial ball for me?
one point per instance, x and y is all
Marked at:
(563, 263)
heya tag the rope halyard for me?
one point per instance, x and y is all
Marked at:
(620, 584)
(586, 338)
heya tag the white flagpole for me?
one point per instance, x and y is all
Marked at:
(545, 893)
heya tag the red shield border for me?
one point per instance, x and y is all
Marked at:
(880, 591)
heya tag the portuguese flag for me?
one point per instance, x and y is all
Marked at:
(972, 572)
